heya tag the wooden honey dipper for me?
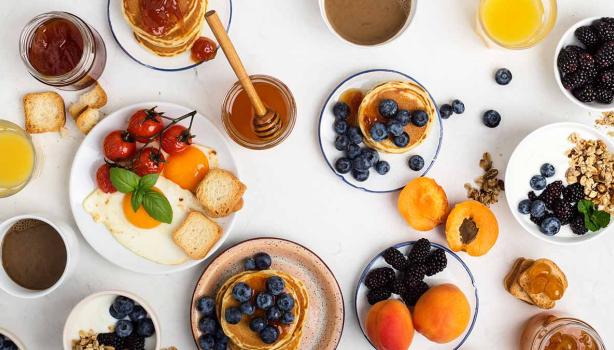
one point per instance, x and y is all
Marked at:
(267, 123)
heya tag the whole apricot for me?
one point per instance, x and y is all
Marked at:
(389, 325)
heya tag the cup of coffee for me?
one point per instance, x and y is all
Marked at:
(37, 255)
(368, 22)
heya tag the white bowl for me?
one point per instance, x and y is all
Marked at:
(70, 242)
(410, 17)
(570, 39)
(546, 145)
(93, 313)
(13, 338)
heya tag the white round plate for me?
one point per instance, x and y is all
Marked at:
(547, 144)
(12, 337)
(456, 272)
(125, 38)
(400, 173)
(82, 182)
(570, 39)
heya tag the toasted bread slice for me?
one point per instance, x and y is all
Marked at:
(88, 119)
(44, 112)
(511, 280)
(95, 98)
(197, 234)
(541, 299)
(220, 193)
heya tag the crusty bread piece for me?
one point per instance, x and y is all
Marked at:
(220, 193)
(95, 98)
(541, 299)
(44, 112)
(197, 234)
(88, 119)
(511, 280)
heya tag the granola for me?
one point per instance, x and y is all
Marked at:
(88, 341)
(606, 120)
(489, 186)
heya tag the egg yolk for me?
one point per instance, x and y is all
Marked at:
(187, 168)
(138, 218)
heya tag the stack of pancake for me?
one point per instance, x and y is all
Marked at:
(165, 27)
(240, 335)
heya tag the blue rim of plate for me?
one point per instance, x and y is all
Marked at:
(330, 96)
(154, 67)
(411, 243)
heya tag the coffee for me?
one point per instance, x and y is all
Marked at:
(367, 22)
(33, 254)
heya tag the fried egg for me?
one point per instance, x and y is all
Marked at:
(190, 166)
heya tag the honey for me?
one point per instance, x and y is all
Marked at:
(352, 98)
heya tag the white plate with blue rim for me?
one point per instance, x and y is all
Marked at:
(400, 173)
(127, 42)
(456, 272)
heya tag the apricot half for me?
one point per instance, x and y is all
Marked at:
(389, 325)
(423, 204)
(471, 227)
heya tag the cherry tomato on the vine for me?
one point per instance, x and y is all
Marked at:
(149, 161)
(119, 145)
(145, 124)
(176, 139)
(103, 179)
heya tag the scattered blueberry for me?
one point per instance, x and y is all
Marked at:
(355, 135)
(403, 116)
(113, 313)
(249, 264)
(263, 261)
(145, 327)
(287, 318)
(524, 207)
(342, 142)
(491, 118)
(370, 155)
(206, 342)
(123, 305)
(547, 170)
(388, 108)
(416, 163)
(401, 141)
(503, 76)
(343, 165)
(206, 306)
(242, 292)
(269, 334)
(382, 167)
(458, 107)
(123, 328)
(247, 308)
(341, 127)
(550, 226)
(341, 110)
(360, 175)
(275, 285)
(285, 302)
(273, 314)
(446, 111)
(419, 118)
(353, 151)
(378, 132)
(394, 128)
(538, 182)
(233, 315)
(360, 163)
(264, 301)
(207, 325)
(139, 312)
(257, 324)
(538, 209)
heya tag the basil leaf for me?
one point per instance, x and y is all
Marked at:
(585, 206)
(125, 181)
(601, 218)
(148, 181)
(589, 224)
(137, 199)
(157, 206)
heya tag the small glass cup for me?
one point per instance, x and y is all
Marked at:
(89, 68)
(8, 127)
(548, 20)
(540, 329)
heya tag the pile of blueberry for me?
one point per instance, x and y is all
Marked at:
(132, 327)
(212, 337)
(6, 343)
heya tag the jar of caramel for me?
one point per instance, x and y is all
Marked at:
(548, 331)
(61, 50)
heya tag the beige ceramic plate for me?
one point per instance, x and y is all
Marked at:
(326, 313)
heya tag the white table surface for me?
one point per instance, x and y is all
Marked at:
(291, 191)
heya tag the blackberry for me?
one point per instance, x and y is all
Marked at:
(606, 79)
(399, 286)
(380, 277)
(413, 294)
(532, 196)
(604, 57)
(587, 35)
(576, 79)
(537, 220)
(587, 62)
(436, 262)
(577, 225)
(419, 251)
(585, 93)
(567, 61)
(376, 295)
(552, 193)
(135, 342)
(573, 193)
(608, 20)
(604, 30)
(110, 339)
(564, 212)
(414, 274)
(395, 258)
(604, 95)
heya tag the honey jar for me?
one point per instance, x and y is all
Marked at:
(547, 331)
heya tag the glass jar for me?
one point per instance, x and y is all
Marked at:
(545, 331)
(17, 158)
(88, 68)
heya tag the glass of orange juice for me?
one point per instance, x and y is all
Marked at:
(516, 24)
(17, 158)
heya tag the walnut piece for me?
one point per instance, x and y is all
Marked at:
(489, 186)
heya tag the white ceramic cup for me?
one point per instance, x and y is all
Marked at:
(70, 242)
(12, 338)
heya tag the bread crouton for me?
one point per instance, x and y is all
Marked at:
(44, 112)
(95, 98)
(197, 235)
(220, 193)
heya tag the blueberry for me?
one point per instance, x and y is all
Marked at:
(139, 312)
(378, 132)
(550, 226)
(401, 141)
(247, 308)
(491, 118)
(382, 167)
(403, 116)
(9, 345)
(263, 261)
(264, 300)
(273, 314)
(524, 207)
(287, 318)
(113, 313)
(123, 328)
(360, 163)
(538, 182)
(145, 327)
(355, 135)
(242, 292)
(269, 334)
(419, 118)
(342, 142)
(341, 110)
(538, 209)
(547, 170)
(360, 175)
(353, 151)
(458, 107)
(341, 127)
(2, 341)
(370, 155)
(233, 315)
(123, 305)
(343, 165)
(257, 324)
(221, 345)
(416, 163)
(249, 264)
(285, 302)
(220, 336)
(275, 285)
(394, 128)
(206, 342)
(446, 111)
(503, 76)
(388, 108)
(207, 325)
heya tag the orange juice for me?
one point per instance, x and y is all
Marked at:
(512, 22)
(16, 157)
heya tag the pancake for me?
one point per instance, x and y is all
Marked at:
(409, 96)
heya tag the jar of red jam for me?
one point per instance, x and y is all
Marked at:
(548, 331)
(61, 50)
